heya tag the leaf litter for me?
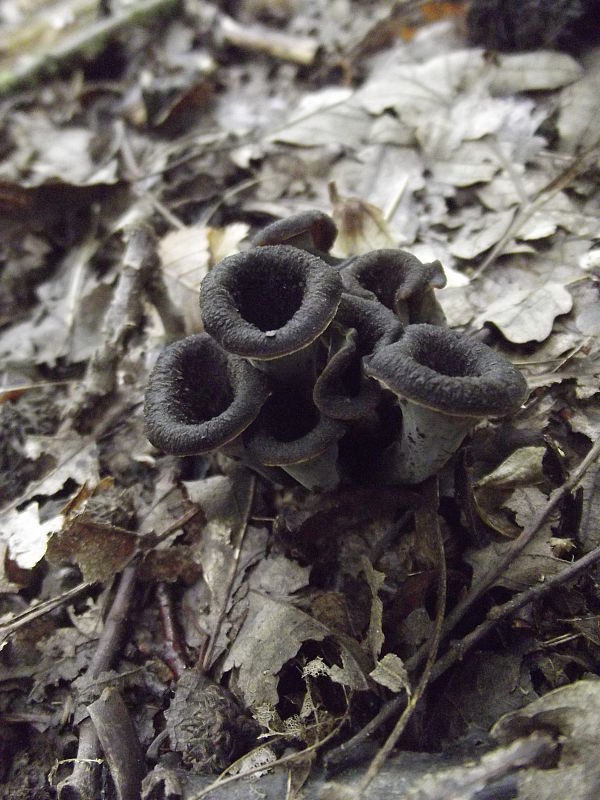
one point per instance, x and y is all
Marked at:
(313, 610)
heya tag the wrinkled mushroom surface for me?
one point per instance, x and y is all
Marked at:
(199, 398)
(449, 372)
(399, 281)
(269, 302)
(291, 433)
(308, 230)
(322, 368)
(444, 383)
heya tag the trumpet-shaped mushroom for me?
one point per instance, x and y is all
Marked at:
(292, 434)
(445, 382)
(269, 304)
(400, 281)
(201, 399)
(342, 390)
(313, 231)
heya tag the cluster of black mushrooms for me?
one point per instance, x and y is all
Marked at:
(323, 369)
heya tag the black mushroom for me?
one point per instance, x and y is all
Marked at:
(269, 304)
(342, 390)
(291, 433)
(325, 372)
(445, 382)
(399, 281)
(312, 231)
(201, 399)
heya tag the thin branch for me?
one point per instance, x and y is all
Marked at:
(82, 784)
(517, 547)
(498, 613)
(175, 655)
(139, 273)
(524, 214)
(6, 628)
(120, 743)
(82, 42)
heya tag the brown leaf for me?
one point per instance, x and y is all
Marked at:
(99, 550)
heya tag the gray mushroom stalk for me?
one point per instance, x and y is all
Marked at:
(445, 383)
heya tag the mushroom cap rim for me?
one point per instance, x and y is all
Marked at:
(164, 427)
(223, 320)
(496, 395)
(289, 227)
(257, 443)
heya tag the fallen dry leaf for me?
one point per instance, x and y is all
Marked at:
(525, 315)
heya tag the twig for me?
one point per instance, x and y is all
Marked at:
(138, 274)
(498, 613)
(517, 547)
(258, 38)
(178, 523)
(120, 744)
(175, 655)
(427, 522)
(6, 628)
(82, 42)
(544, 196)
(82, 784)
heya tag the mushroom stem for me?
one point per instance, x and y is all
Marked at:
(300, 365)
(429, 439)
(320, 472)
(444, 383)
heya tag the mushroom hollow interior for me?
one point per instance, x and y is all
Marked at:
(268, 296)
(288, 417)
(391, 274)
(270, 301)
(449, 372)
(199, 398)
(290, 430)
(448, 357)
(196, 399)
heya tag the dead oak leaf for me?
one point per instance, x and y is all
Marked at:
(391, 672)
(536, 561)
(528, 314)
(478, 235)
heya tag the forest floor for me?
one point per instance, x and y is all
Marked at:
(180, 627)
